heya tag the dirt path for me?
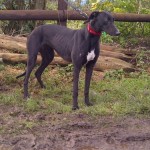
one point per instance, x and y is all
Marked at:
(77, 132)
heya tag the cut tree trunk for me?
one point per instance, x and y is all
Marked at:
(18, 44)
(111, 57)
(103, 63)
(118, 55)
(13, 46)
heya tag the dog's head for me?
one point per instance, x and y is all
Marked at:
(103, 21)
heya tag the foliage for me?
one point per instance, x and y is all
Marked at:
(66, 71)
(128, 30)
(115, 74)
(143, 59)
(122, 6)
(18, 27)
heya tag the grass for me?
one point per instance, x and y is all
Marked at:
(111, 96)
(127, 96)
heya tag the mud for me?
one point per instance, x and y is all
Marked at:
(75, 132)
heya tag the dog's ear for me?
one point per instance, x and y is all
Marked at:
(92, 16)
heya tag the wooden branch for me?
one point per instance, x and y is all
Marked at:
(65, 14)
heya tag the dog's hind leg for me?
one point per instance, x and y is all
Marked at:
(30, 66)
(47, 54)
(33, 49)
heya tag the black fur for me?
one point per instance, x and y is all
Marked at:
(71, 45)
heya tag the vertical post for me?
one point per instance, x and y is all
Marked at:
(62, 6)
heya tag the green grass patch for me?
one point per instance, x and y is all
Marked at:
(10, 98)
(122, 97)
(111, 96)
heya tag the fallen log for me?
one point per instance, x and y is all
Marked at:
(109, 63)
(18, 45)
(23, 40)
(103, 63)
(13, 45)
(13, 38)
(117, 49)
(116, 55)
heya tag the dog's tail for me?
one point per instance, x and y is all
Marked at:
(21, 75)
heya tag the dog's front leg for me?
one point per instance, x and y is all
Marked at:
(89, 71)
(76, 73)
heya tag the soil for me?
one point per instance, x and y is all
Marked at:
(72, 132)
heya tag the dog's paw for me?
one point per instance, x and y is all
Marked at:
(75, 107)
(26, 97)
(88, 104)
(43, 86)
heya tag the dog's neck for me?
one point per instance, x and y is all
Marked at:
(92, 36)
(92, 31)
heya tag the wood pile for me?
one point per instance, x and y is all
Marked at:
(111, 57)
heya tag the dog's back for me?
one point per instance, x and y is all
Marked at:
(51, 35)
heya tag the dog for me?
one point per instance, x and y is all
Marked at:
(81, 47)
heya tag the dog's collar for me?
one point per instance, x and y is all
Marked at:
(90, 30)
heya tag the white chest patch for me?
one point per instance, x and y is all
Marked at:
(91, 55)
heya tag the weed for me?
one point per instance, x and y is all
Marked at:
(66, 71)
(56, 107)
(31, 105)
(11, 98)
(2, 67)
(27, 124)
(115, 74)
(143, 60)
(20, 66)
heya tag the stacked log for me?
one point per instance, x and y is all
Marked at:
(111, 57)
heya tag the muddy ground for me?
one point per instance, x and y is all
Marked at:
(38, 131)
(73, 132)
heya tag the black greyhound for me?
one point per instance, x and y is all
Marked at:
(81, 47)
